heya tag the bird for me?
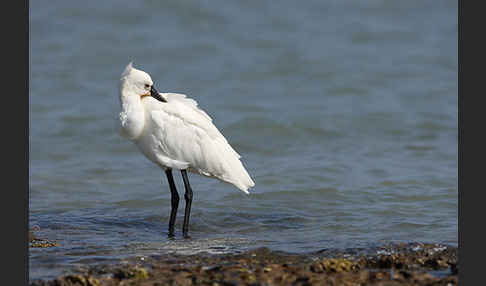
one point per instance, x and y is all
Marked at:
(175, 134)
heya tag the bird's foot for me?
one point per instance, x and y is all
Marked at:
(171, 235)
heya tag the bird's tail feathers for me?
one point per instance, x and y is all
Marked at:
(236, 173)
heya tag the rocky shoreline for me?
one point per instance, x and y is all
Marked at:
(394, 264)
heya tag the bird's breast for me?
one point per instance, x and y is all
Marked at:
(132, 123)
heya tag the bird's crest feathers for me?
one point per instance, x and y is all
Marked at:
(128, 69)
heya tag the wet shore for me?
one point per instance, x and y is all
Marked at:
(394, 264)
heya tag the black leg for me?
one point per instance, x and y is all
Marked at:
(174, 201)
(188, 197)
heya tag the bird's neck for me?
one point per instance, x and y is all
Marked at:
(132, 115)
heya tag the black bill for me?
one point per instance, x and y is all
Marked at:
(155, 94)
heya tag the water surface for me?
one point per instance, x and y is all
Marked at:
(345, 114)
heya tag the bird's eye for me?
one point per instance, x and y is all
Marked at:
(147, 86)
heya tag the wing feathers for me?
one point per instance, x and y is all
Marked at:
(187, 134)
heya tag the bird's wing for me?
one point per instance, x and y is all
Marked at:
(187, 108)
(185, 133)
(189, 102)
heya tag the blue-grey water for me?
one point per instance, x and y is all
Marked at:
(345, 114)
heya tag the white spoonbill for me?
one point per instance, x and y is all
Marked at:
(171, 131)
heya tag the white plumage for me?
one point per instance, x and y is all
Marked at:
(176, 134)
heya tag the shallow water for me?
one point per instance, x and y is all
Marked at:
(345, 114)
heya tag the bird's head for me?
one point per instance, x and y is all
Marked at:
(139, 83)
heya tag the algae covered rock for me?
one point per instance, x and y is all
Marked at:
(334, 265)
